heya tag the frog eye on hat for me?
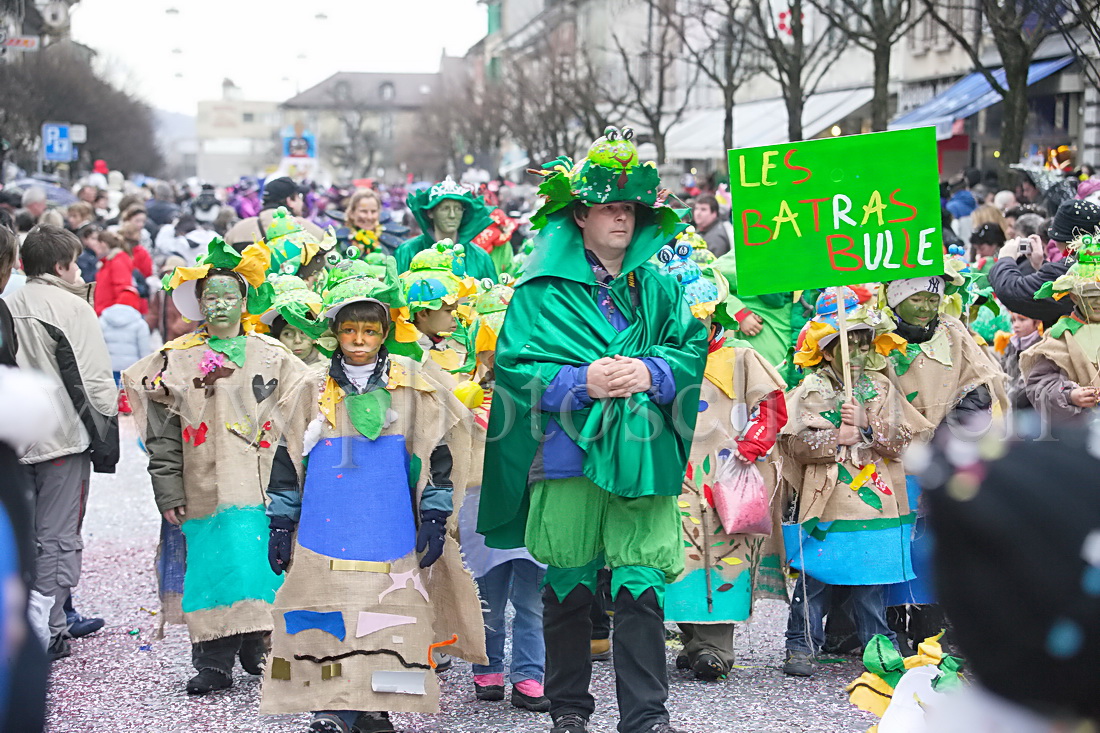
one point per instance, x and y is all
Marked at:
(332, 258)
(628, 133)
(683, 250)
(612, 133)
(665, 254)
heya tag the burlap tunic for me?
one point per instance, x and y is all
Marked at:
(230, 421)
(742, 567)
(354, 572)
(843, 536)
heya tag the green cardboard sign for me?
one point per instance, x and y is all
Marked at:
(836, 211)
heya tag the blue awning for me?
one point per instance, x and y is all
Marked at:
(969, 95)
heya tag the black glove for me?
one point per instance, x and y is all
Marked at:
(433, 526)
(279, 544)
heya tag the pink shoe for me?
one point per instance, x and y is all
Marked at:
(489, 687)
(529, 695)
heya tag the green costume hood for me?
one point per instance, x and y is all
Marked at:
(475, 217)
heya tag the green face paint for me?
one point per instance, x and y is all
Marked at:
(222, 305)
(447, 216)
(919, 309)
(297, 341)
(858, 353)
(1088, 304)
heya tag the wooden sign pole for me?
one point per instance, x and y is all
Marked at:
(842, 322)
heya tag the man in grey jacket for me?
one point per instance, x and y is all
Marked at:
(59, 336)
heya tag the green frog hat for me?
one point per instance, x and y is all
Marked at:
(430, 282)
(297, 304)
(475, 219)
(1083, 275)
(291, 245)
(611, 172)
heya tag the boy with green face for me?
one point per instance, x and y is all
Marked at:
(362, 497)
(1061, 371)
(947, 377)
(208, 406)
(841, 460)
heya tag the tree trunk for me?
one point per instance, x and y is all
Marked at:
(727, 128)
(794, 114)
(1014, 123)
(659, 143)
(880, 102)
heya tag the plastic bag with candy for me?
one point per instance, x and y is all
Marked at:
(741, 498)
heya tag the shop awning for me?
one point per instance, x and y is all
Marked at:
(761, 122)
(969, 95)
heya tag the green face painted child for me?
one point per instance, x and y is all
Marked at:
(222, 305)
(919, 309)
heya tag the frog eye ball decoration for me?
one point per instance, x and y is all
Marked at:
(665, 255)
(333, 258)
(683, 250)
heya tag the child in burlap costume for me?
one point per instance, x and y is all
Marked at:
(944, 374)
(209, 410)
(1061, 371)
(364, 529)
(842, 462)
(742, 411)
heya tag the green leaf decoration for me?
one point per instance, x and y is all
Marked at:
(842, 474)
(864, 389)
(1046, 291)
(911, 396)
(687, 544)
(870, 498)
(233, 348)
(882, 659)
(368, 411)
(950, 677)
(221, 255)
(698, 477)
(706, 464)
(902, 362)
(719, 544)
(261, 298)
(832, 416)
(1065, 323)
(685, 514)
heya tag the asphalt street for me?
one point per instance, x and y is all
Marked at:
(120, 679)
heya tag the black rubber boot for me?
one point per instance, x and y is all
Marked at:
(214, 661)
(567, 628)
(253, 652)
(641, 674)
(207, 681)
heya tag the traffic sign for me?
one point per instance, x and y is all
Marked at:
(57, 146)
(78, 134)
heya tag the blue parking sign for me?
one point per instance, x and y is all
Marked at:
(57, 146)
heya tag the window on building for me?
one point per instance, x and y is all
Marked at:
(387, 92)
(248, 118)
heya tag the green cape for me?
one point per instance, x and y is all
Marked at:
(477, 262)
(553, 320)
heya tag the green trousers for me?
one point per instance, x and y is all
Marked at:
(576, 528)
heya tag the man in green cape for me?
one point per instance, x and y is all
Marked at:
(449, 211)
(598, 370)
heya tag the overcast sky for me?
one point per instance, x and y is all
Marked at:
(272, 49)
